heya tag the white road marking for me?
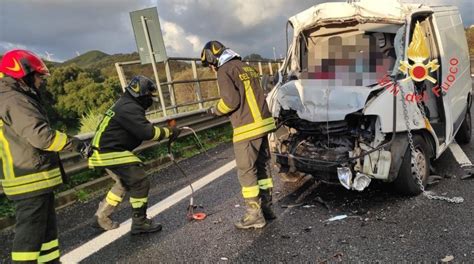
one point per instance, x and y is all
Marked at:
(459, 155)
(108, 237)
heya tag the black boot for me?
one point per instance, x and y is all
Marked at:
(253, 217)
(141, 224)
(266, 197)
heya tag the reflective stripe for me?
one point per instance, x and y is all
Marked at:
(167, 132)
(51, 244)
(49, 257)
(24, 256)
(250, 192)
(265, 183)
(222, 107)
(6, 155)
(113, 158)
(113, 199)
(157, 133)
(59, 141)
(32, 182)
(250, 97)
(138, 202)
(103, 125)
(254, 129)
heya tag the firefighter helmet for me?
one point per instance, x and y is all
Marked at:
(211, 52)
(141, 86)
(19, 63)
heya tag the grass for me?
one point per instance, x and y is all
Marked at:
(183, 148)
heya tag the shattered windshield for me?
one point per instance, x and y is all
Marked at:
(350, 58)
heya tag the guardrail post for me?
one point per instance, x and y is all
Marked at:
(121, 76)
(170, 86)
(270, 67)
(153, 64)
(198, 85)
(260, 68)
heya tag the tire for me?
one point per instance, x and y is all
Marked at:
(406, 182)
(465, 131)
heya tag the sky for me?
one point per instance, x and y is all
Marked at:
(65, 28)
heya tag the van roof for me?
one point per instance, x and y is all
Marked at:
(388, 11)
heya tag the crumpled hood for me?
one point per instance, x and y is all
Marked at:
(317, 100)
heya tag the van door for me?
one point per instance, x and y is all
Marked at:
(450, 38)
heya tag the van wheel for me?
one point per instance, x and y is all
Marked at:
(465, 131)
(406, 182)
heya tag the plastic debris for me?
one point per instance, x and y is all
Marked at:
(336, 218)
(447, 258)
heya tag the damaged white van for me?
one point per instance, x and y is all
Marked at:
(371, 90)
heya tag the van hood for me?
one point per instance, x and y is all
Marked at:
(318, 100)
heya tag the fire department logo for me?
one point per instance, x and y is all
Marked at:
(418, 52)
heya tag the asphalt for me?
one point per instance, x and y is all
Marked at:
(381, 226)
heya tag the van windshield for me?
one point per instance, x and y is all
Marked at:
(351, 58)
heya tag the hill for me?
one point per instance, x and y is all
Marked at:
(86, 59)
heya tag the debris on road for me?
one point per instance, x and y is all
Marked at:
(336, 218)
(224, 258)
(433, 179)
(447, 259)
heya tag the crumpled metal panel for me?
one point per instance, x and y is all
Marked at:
(320, 101)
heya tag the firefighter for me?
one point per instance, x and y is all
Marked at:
(28, 150)
(243, 101)
(123, 128)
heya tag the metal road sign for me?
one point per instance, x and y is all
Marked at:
(148, 36)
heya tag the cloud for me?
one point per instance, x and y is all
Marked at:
(178, 42)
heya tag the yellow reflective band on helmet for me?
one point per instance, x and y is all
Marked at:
(59, 142)
(49, 257)
(157, 133)
(250, 192)
(25, 256)
(138, 202)
(265, 183)
(32, 182)
(254, 129)
(51, 244)
(113, 158)
(6, 155)
(113, 199)
(222, 107)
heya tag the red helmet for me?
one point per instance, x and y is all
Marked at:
(19, 63)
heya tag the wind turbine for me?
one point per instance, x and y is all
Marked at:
(48, 55)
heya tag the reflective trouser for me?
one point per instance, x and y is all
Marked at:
(36, 233)
(131, 178)
(252, 157)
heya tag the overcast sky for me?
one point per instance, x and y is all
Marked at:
(67, 27)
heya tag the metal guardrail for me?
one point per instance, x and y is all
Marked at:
(196, 80)
(197, 120)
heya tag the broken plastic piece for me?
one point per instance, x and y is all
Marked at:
(361, 182)
(345, 176)
(338, 217)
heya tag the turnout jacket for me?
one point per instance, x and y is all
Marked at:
(29, 164)
(243, 100)
(123, 128)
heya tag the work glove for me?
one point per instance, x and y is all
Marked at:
(211, 111)
(175, 131)
(84, 148)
